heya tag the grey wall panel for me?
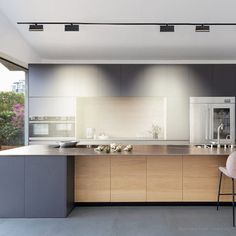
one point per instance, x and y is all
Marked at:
(86, 80)
(177, 81)
(45, 186)
(224, 80)
(171, 81)
(109, 80)
(200, 80)
(51, 80)
(154, 81)
(12, 187)
(143, 80)
(132, 77)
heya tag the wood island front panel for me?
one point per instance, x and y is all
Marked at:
(92, 179)
(128, 179)
(200, 178)
(149, 178)
(164, 179)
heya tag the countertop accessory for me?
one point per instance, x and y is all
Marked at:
(103, 148)
(128, 148)
(155, 131)
(90, 133)
(68, 144)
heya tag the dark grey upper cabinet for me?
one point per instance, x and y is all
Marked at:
(132, 79)
(177, 81)
(224, 80)
(86, 80)
(200, 80)
(12, 187)
(109, 80)
(154, 81)
(51, 80)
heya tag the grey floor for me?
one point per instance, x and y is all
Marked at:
(127, 221)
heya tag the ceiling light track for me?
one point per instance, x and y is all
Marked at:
(164, 27)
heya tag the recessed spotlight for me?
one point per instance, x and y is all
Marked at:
(35, 27)
(72, 27)
(167, 28)
(202, 28)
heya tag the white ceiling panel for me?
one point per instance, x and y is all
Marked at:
(126, 42)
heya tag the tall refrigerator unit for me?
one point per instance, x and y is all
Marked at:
(207, 114)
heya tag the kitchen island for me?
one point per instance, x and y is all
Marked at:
(44, 181)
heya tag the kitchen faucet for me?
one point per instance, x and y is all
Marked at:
(220, 127)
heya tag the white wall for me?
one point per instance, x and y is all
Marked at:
(121, 117)
(13, 47)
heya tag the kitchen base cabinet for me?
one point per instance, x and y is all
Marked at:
(48, 191)
(164, 178)
(200, 178)
(12, 187)
(128, 179)
(92, 179)
(167, 178)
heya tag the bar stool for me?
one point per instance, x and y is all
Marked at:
(229, 171)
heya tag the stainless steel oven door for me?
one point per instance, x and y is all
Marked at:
(39, 130)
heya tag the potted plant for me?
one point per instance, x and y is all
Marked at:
(155, 131)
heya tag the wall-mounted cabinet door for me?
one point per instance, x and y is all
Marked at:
(51, 80)
(128, 179)
(132, 79)
(143, 80)
(177, 77)
(86, 80)
(224, 80)
(53, 106)
(109, 80)
(164, 178)
(200, 80)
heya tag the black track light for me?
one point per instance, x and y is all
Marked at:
(167, 28)
(72, 27)
(202, 28)
(35, 27)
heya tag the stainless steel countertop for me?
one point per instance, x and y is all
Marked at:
(138, 150)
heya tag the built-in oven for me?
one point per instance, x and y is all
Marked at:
(51, 128)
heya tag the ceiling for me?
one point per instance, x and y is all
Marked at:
(126, 42)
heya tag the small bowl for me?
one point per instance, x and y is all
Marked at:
(68, 144)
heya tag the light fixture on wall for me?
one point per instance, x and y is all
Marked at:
(202, 28)
(36, 27)
(72, 27)
(167, 28)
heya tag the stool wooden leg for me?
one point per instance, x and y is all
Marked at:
(219, 189)
(233, 201)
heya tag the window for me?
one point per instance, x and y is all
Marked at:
(12, 104)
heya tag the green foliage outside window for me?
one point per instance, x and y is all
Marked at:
(11, 118)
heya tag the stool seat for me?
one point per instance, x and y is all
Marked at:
(225, 171)
(229, 171)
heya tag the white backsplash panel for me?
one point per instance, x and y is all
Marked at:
(120, 117)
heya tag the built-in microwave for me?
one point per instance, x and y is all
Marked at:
(53, 127)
